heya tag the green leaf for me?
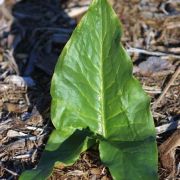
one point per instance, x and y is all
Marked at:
(93, 87)
(128, 161)
(66, 152)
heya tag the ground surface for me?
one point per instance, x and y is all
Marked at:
(37, 32)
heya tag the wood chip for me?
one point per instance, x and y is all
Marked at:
(167, 152)
(95, 171)
(17, 108)
(13, 134)
(75, 173)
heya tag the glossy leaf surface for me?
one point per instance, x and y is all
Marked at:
(126, 161)
(93, 87)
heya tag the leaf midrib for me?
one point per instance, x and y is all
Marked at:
(103, 122)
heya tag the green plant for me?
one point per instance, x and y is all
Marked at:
(96, 100)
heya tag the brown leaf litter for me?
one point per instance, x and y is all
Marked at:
(88, 167)
(38, 33)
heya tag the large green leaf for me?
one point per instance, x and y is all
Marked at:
(57, 150)
(93, 87)
(130, 161)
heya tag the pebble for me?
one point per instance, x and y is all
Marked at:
(16, 80)
(154, 64)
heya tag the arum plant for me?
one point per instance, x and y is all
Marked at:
(96, 100)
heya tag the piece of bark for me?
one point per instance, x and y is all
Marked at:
(167, 152)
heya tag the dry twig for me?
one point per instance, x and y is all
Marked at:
(152, 53)
(167, 87)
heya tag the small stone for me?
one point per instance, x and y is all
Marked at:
(154, 64)
(16, 80)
